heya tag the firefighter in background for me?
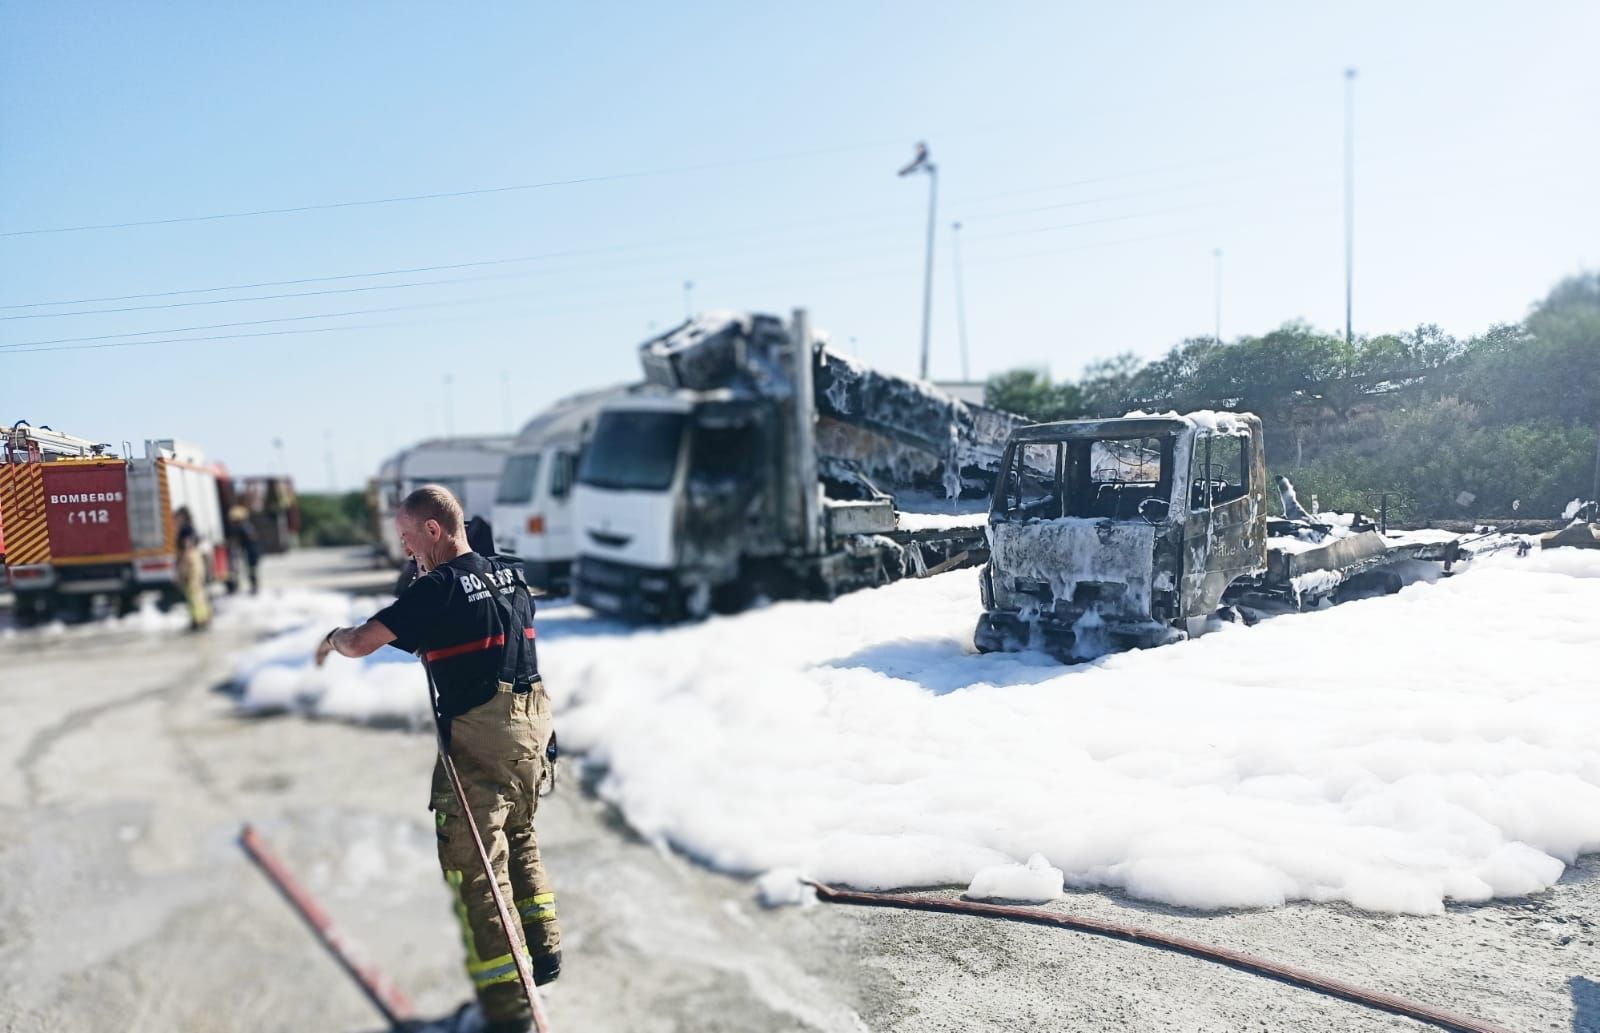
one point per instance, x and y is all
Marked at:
(246, 544)
(192, 571)
(470, 618)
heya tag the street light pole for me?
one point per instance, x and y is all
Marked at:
(688, 299)
(1217, 254)
(1349, 198)
(920, 163)
(961, 301)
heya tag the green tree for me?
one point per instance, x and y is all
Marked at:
(334, 519)
(1030, 393)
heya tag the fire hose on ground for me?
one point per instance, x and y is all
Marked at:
(1134, 934)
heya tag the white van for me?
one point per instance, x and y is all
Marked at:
(533, 519)
(468, 466)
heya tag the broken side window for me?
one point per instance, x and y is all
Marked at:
(1219, 470)
(1033, 481)
(1229, 469)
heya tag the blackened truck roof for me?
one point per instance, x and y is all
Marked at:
(1120, 427)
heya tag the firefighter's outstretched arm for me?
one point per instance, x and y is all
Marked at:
(355, 642)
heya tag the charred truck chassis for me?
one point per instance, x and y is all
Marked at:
(1098, 542)
(1133, 532)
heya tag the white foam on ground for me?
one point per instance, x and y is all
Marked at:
(387, 687)
(1036, 882)
(783, 887)
(1392, 753)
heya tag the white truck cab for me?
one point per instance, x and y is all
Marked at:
(533, 507)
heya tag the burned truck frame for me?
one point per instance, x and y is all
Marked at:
(1133, 532)
(1120, 532)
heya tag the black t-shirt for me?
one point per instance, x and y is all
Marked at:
(471, 621)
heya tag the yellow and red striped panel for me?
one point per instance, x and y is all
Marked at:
(22, 509)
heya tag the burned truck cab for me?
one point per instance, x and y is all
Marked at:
(671, 490)
(1121, 533)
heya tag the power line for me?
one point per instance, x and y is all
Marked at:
(26, 348)
(218, 337)
(577, 252)
(443, 194)
(1175, 188)
(246, 322)
(285, 283)
(1097, 222)
(269, 297)
(406, 270)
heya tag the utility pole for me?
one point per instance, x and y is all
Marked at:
(1349, 198)
(961, 301)
(1217, 254)
(920, 163)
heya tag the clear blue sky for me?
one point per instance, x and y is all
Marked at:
(1096, 154)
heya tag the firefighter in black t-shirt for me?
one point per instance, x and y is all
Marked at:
(470, 618)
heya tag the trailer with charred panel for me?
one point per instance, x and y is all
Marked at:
(757, 462)
(1134, 532)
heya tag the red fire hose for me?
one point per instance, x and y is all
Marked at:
(1134, 934)
(389, 1001)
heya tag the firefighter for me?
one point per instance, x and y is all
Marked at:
(192, 570)
(246, 545)
(470, 618)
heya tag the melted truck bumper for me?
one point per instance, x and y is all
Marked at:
(1002, 631)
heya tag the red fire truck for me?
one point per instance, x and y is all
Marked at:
(81, 521)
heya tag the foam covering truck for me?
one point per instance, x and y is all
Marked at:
(1136, 531)
(757, 462)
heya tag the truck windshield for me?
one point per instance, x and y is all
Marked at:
(633, 451)
(1094, 478)
(518, 478)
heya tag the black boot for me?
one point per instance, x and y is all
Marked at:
(546, 967)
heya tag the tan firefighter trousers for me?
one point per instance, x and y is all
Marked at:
(192, 569)
(499, 753)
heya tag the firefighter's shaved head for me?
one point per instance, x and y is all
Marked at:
(434, 502)
(430, 525)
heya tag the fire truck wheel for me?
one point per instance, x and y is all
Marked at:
(75, 609)
(34, 608)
